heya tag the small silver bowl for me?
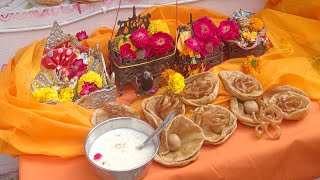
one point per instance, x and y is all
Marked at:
(122, 122)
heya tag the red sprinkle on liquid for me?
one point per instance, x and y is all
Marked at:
(97, 156)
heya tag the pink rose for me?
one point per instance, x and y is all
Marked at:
(161, 43)
(88, 87)
(228, 30)
(126, 52)
(140, 38)
(82, 35)
(148, 52)
(210, 47)
(77, 68)
(194, 44)
(204, 29)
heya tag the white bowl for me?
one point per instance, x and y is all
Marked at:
(115, 123)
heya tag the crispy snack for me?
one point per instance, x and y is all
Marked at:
(191, 137)
(167, 104)
(201, 89)
(240, 85)
(49, 2)
(156, 108)
(217, 123)
(293, 102)
(245, 111)
(258, 114)
(112, 110)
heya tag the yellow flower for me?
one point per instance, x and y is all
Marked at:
(66, 94)
(251, 65)
(45, 94)
(249, 36)
(256, 24)
(176, 83)
(124, 40)
(89, 77)
(158, 26)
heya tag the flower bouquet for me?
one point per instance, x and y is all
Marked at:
(71, 72)
(252, 38)
(139, 46)
(198, 45)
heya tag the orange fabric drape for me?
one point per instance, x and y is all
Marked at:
(304, 8)
(28, 127)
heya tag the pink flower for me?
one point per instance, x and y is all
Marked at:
(97, 156)
(82, 35)
(194, 44)
(148, 52)
(77, 68)
(204, 29)
(161, 43)
(88, 87)
(228, 30)
(140, 38)
(58, 58)
(154, 90)
(209, 47)
(126, 52)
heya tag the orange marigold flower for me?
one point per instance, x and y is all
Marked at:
(256, 24)
(165, 74)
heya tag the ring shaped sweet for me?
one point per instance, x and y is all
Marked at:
(271, 116)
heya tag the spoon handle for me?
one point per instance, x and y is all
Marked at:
(168, 119)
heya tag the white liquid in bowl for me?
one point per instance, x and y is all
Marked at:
(119, 151)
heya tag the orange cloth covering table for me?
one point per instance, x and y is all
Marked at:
(243, 156)
(27, 127)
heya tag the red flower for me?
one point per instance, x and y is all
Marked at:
(148, 52)
(126, 52)
(58, 58)
(140, 38)
(161, 43)
(207, 68)
(88, 87)
(97, 156)
(228, 30)
(82, 35)
(204, 29)
(194, 44)
(209, 47)
(77, 68)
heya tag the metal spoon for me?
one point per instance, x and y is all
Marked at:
(164, 124)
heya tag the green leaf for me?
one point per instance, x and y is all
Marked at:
(29, 6)
(193, 60)
(125, 39)
(254, 63)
